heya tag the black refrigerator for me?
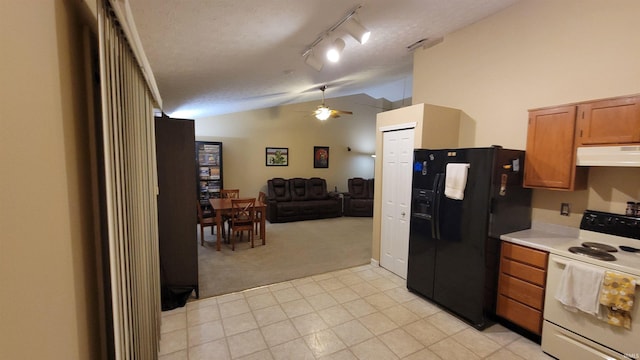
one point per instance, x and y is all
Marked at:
(462, 201)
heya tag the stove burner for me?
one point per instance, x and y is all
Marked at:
(592, 253)
(599, 246)
(629, 249)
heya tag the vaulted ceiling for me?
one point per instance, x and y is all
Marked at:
(213, 57)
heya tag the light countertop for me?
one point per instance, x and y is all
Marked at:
(547, 237)
(557, 239)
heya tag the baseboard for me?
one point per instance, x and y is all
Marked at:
(375, 262)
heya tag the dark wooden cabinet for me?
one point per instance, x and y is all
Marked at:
(177, 220)
(551, 156)
(609, 122)
(521, 286)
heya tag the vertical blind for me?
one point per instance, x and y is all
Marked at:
(130, 183)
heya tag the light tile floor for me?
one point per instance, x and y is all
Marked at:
(359, 313)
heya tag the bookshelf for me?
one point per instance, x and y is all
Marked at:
(209, 165)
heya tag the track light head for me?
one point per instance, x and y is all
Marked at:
(335, 50)
(313, 61)
(351, 26)
(355, 29)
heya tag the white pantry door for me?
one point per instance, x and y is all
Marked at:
(396, 199)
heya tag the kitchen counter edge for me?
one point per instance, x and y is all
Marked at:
(557, 239)
(544, 236)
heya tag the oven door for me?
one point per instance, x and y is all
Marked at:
(596, 335)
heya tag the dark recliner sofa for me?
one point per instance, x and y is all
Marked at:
(359, 200)
(301, 199)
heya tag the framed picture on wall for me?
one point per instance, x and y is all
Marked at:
(277, 156)
(320, 156)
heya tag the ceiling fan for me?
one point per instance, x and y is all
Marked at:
(323, 112)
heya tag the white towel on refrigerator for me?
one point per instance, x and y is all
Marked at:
(580, 288)
(455, 180)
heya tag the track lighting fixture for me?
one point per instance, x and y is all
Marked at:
(313, 61)
(355, 29)
(351, 26)
(335, 50)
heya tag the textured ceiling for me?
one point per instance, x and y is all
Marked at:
(213, 57)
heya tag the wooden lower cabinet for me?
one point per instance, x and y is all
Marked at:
(524, 316)
(521, 286)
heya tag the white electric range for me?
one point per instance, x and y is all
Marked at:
(576, 335)
(573, 334)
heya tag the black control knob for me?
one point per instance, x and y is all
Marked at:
(609, 221)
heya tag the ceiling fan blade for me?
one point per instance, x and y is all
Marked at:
(337, 113)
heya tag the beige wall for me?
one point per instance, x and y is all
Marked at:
(434, 127)
(48, 304)
(538, 53)
(245, 136)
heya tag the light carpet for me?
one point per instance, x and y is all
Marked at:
(293, 250)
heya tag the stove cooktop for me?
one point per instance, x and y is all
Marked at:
(600, 237)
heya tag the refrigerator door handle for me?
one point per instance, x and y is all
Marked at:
(435, 223)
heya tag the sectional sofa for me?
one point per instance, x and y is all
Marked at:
(359, 200)
(298, 199)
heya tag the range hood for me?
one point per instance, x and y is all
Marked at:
(608, 156)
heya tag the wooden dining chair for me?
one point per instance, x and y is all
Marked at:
(262, 197)
(206, 221)
(242, 218)
(228, 194)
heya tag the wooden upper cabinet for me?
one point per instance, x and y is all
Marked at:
(554, 133)
(550, 155)
(609, 121)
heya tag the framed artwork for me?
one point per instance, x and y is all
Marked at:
(277, 156)
(320, 156)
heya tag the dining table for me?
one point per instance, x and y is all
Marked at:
(222, 206)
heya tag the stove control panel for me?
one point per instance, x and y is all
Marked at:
(612, 224)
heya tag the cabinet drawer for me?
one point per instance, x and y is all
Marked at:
(528, 318)
(523, 271)
(525, 255)
(521, 291)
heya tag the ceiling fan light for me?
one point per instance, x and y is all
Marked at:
(359, 32)
(313, 61)
(323, 113)
(335, 50)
